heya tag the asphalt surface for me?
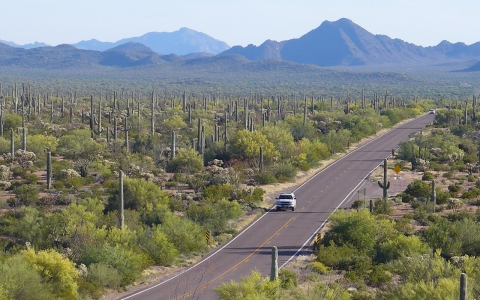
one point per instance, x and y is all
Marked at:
(330, 189)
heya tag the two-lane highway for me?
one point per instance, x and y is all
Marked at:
(289, 231)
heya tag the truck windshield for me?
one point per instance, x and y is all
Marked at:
(285, 197)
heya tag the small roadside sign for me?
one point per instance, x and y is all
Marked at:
(397, 169)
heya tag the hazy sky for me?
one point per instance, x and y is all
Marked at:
(236, 22)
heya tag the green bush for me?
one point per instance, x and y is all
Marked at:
(26, 194)
(379, 275)
(472, 193)
(418, 188)
(214, 215)
(265, 178)
(288, 279)
(319, 268)
(18, 172)
(161, 251)
(128, 263)
(251, 196)
(427, 176)
(383, 207)
(448, 175)
(454, 189)
(442, 197)
(358, 204)
(217, 192)
(406, 198)
(104, 276)
(284, 172)
(31, 178)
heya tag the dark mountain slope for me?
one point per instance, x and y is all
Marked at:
(268, 50)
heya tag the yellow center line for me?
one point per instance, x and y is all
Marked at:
(240, 262)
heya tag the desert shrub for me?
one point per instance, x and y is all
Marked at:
(161, 251)
(56, 270)
(26, 194)
(406, 198)
(265, 178)
(454, 189)
(288, 279)
(128, 263)
(31, 178)
(187, 160)
(18, 172)
(357, 229)
(379, 275)
(392, 116)
(448, 175)
(19, 281)
(250, 196)
(471, 178)
(186, 235)
(442, 197)
(399, 246)
(139, 194)
(420, 214)
(217, 192)
(358, 204)
(103, 276)
(284, 172)
(382, 207)
(472, 193)
(319, 268)
(427, 176)
(418, 188)
(253, 286)
(214, 215)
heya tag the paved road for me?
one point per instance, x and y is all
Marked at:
(290, 231)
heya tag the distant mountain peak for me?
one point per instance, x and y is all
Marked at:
(181, 42)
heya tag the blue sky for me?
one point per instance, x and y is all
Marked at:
(236, 22)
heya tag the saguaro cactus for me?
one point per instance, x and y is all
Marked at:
(24, 139)
(434, 195)
(121, 215)
(274, 269)
(99, 120)
(386, 184)
(172, 156)
(463, 287)
(260, 164)
(126, 129)
(12, 144)
(49, 170)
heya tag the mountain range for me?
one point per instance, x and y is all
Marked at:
(339, 43)
(344, 43)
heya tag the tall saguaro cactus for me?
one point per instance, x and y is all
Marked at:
(274, 268)
(49, 170)
(172, 156)
(121, 216)
(126, 129)
(12, 144)
(386, 184)
(24, 139)
(260, 164)
(463, 287)
(434, 195)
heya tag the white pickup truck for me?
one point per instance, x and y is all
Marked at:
(286, 201)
